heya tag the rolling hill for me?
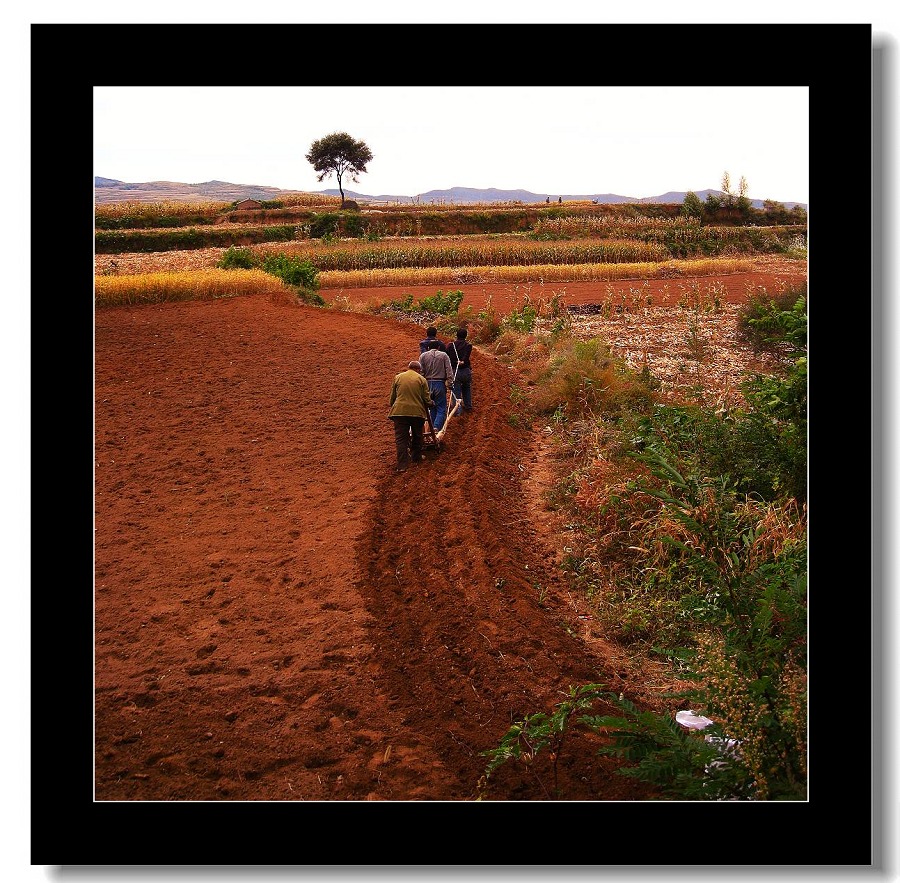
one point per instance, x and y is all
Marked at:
(108, 190)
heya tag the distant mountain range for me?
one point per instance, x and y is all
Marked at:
(110, 190)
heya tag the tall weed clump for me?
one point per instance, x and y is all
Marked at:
(237, 258)
(582, 377)
(740, 567)
(484, 326)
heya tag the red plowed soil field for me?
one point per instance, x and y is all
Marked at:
(279, 615)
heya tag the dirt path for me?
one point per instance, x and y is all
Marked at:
(280, 616)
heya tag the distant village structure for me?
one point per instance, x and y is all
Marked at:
(247, 204)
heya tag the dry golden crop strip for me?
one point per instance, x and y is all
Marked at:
(605, 272)
(148, 288)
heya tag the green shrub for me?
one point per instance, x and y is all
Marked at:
(445, 304)
(279, 233)
(323, 225)
(237, 258)
(760, 450)
(681, 763)
(295, 271)
(404, 304)
(354, 225)
(117, 241)
(742, 564)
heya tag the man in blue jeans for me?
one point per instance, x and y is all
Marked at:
(438, 371)
(460, 354)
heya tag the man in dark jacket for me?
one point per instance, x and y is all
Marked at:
(460, 353)
(431, 341)
(410, 401)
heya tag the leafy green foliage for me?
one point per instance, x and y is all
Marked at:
(293, 271)
(325, 224)
(692, 207)
(680, 762)
(354, 225)
(445, 304)
(767, 321)
(761, 450)
(237, 258)
(521, 320)
(297, 272)
(117, 241)
(527, 738)
(742, 568)
(404, 304)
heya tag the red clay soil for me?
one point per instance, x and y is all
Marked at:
(281, 616)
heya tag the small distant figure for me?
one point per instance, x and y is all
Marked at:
(410, 404)
(560, 200)
(431, 341)
(548, 200)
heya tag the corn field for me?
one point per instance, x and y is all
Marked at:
(350, 255)
(145, 214)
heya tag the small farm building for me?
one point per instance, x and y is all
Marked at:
(248, 203)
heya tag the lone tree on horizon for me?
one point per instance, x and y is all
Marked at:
(339, 154)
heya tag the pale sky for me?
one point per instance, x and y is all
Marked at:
(630, 141)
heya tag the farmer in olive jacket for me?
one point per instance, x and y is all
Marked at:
(410, 401)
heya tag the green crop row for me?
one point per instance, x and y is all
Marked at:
(119, 241)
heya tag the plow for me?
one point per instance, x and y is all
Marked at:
(432, 438)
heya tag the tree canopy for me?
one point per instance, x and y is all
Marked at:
(339, 154)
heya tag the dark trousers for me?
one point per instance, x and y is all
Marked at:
(462, 389)
(408, 436)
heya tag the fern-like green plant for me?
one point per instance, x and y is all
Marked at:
(526, 738)
(683, 764)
